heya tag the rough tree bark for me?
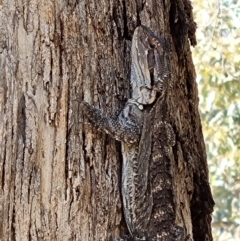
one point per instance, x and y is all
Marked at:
(59, 177)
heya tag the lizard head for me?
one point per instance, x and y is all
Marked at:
(150, 65)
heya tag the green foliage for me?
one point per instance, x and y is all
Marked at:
(217, 62)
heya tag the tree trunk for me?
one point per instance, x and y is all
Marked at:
(60, 177)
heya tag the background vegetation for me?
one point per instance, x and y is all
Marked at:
(217, 62)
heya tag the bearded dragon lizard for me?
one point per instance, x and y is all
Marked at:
(149, 68)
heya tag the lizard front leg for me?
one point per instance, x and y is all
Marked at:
(126, 127)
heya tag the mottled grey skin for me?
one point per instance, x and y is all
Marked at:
(150, 66)
(126, 127)
(136, 193)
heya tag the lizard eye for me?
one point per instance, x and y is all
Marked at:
(152, 46)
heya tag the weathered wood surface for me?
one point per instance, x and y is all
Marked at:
(59, 177)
